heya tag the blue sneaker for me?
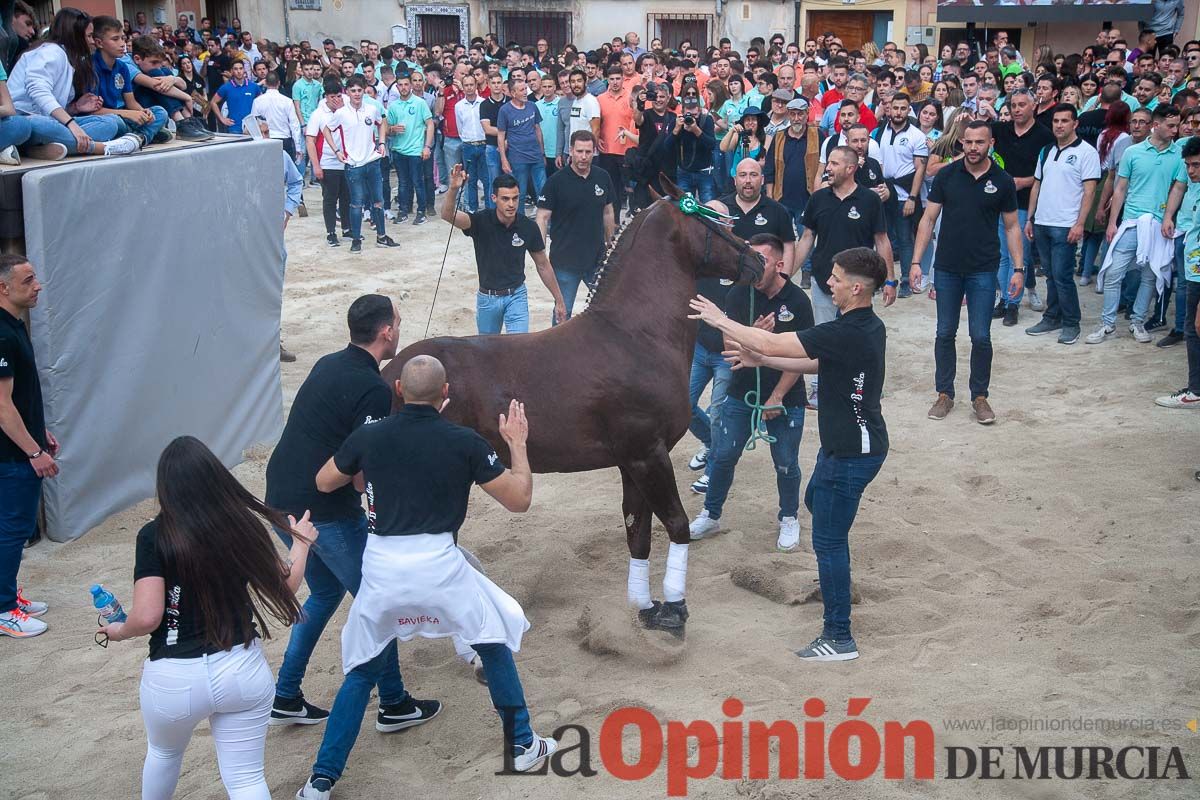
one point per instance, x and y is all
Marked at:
(822, 649)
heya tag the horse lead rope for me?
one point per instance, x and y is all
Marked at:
(690, 206)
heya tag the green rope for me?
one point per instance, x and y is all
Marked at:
(758, 428)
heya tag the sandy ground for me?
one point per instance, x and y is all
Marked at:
(1041, 568)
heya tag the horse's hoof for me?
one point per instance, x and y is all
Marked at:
(671, 617)
(646, 616)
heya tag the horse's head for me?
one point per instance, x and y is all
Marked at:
(716, 251)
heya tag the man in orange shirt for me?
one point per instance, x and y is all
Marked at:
(617, 133)
(629, 74)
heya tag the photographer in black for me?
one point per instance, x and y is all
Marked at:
(651, 157)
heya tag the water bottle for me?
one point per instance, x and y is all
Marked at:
(108, 606)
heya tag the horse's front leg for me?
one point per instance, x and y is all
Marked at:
(654, 477)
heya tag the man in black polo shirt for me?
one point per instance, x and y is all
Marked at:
(778, 299)
(489, 115)
(502, 237)
(342, 393)
(754, 213)
(848, 354)
(418, 470)
(27, 449)
(841, 216)
(575, 211)
(975, 194)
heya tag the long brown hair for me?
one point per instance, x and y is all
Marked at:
(211, 535)
(69, 31)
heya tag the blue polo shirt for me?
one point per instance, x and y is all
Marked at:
(240, 99)
(1150, 173)
(112, 82)
(1189, 221)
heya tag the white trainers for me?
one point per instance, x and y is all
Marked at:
(10, 157)
(316, 788)
(19, 625)
(1139, 332)
(390, 215)
(700, 485)
(123, 145)
(789, 535)
(1100, 334)
(703, 525)
(1035, 300)
(31, 607)
(1181, 399)
(700, 460)
(527, 758)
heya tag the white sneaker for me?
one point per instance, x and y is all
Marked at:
(1139, 332)
(1100, 334)
(1085, 281)
(390, 215)
(10, 157)
(19, 625)
(1035, 300)
(700, 459)
(789, 535)
(123, 145)
(703, 525)
(700, 485)
(1181, 399)
(539, 749)
(31, 607)
(316, 789)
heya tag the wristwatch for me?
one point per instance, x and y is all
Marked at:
(1018, 269)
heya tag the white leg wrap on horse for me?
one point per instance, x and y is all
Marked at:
(639, 583)
(675, 578)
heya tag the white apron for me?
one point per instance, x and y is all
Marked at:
(422, 585)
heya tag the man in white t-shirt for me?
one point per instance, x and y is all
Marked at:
(1064, 182)
(327, 168)
(585, 110)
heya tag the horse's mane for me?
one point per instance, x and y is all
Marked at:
(613, 255)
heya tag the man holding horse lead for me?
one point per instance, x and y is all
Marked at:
(848, 354)
(502, 237)
(780, 395)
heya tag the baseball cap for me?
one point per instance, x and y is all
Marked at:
(799, 104)
(782, 94)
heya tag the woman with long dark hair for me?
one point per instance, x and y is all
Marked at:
(1111, 146)
(206, 578)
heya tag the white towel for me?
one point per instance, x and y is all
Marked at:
(1152, 248)
(422, 585)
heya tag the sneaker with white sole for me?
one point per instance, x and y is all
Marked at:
(52, 151)
(789, 535)
(1138, 330)
(822, 649)
(1100, 334)
(1181, 399)
(123, 145)
(1035, 300)
(703, 525)
(409, 714)
(317, 788)
(700, 460)
(530, 756)
(286, 711)
(700, 485)
(9, 156)
(389, 215)
(31, 607)
(19, 625)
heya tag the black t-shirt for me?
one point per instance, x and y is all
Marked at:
(869, 174)
(1091, 125)
(419, 469)
(767, 216)
(343, 391)
(971, 209)
(17, 362)
(500, 249)
(214, 66)
(839, 224)
(653, 126)
(577, 218)
(1018, 155)
(712, 288)
(489, 109)
(180, 634)
(850, 350)
(793, 312)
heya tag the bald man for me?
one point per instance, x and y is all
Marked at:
(418, 469)
(755, 213)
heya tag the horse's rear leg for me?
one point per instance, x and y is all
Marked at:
(638, 518)
(655, 478)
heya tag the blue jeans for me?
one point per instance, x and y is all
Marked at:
(451, 153)
(900, 233)
(1124, 256)
(365, 189)
(730, 436)
(346, 718)
(409, 179)
(707, 366)
(14, 131)
(1058, 257)
(698, 183)
(1180, 287)
(21, 489)
(492, 157)
(385, 181)
(568, 284)
(150, 129)
(980, 290)
(475, 164)
(529, 176)
(510, 313)
(101, 128)
(334, 567)
(1004, 273)
(1093, 253)
(833, 494)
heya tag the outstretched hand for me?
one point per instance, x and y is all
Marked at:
(514, 427)
(706, 310)
(740, 357)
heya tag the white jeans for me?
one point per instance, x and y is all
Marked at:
(233, 690)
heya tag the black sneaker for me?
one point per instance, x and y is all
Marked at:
(333, 240)
(296, 712)
(998, 311)
(408, 714)
(347, 234)
(822, 649)
(1010, 316)
(356, 246)
(419, 219)
(385, 241)
(1172, 338)
(401, 217)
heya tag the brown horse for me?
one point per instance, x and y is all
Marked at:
(610, 386)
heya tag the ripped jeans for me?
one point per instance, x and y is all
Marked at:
(730, 435)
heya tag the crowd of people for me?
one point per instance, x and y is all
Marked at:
(964, 174)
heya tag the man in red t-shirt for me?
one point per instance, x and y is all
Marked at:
(451, 93)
